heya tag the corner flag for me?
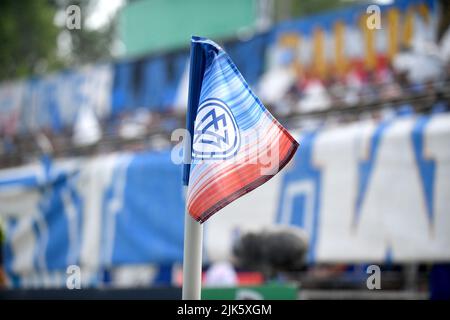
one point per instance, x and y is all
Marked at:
(235, 143)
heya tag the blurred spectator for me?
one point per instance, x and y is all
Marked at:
(314, 96)
(272, 251)
(87, 129)
(276, 82)
(221, 274)
(420, 64)
(354, 85)
(134, 125)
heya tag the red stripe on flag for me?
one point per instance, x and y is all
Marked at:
(239, 182)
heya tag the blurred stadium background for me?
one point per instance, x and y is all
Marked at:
(86, 177)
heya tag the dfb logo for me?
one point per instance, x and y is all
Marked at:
(216, 134)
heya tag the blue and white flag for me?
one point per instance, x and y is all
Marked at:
(236, 144)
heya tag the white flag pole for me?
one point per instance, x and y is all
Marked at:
(192, 261)
(193, 243)
(193, 230)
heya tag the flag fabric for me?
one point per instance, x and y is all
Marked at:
(235, 143)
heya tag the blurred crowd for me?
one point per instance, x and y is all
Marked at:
(409, 76)
(415, 80)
